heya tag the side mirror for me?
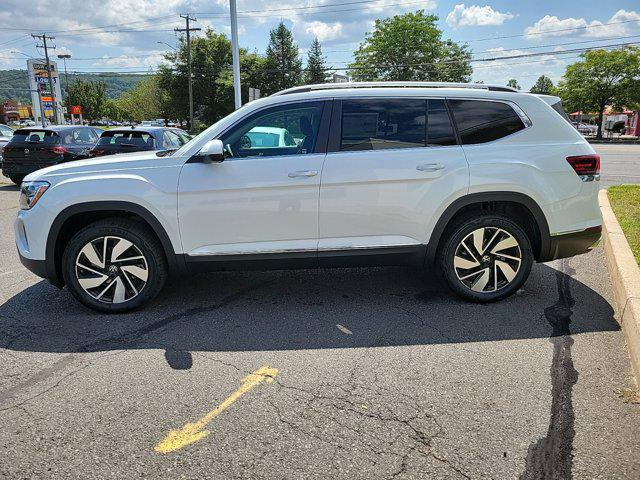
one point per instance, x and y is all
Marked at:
(212, 152)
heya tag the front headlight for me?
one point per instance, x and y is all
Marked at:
(30, 193)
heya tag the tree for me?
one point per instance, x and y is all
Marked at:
(543, 86)
(602, 78)
(283, 66)
(91, 96)
(146, 101)
(316, 65)
(410, 47)
(513, 83)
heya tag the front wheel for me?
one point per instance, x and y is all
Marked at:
(486, 257)
(114, 265)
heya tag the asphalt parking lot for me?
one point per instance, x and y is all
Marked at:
(351, 373)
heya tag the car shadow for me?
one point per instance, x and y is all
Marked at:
(9, 187)
(284, 310)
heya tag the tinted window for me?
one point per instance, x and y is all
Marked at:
(480, 121)
(81, 136)
(171, 140)
(374, 124)
(127, 139)
(439, 129)
(35, 136)
(287, 130)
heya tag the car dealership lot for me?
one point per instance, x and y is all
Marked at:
(371, 374)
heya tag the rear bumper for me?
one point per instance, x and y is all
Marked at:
(10, 168)
(570, 244)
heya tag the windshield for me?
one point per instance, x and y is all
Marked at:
(127, 139)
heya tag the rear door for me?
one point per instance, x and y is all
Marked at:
(392, 165)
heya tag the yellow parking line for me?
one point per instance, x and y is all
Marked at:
(193, 432)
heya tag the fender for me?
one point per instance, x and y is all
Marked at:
(515, 197)
(175, 262)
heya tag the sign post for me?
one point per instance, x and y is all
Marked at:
(42, 98)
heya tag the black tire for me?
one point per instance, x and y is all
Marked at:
(17, 179)
(498, 274)
(110, 231)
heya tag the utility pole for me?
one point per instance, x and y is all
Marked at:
(235, 54)
(44, 39)
(64, 57)
(188, 31)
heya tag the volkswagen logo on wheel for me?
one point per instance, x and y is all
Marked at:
(26, 151)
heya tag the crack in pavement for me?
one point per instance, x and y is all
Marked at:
(551, 456)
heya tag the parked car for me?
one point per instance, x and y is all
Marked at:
(33, 148)
(478, 181)
(137, 139)
(587, 129)
(268, 137)
(6, 132)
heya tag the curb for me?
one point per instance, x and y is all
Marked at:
(625, 277)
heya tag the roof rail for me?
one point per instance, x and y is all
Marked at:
(333, 86)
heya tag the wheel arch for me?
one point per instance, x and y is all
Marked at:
(77, 216)
(534, 221)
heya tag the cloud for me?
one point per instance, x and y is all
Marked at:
(475, 16)
(324, 31)
(621, 23)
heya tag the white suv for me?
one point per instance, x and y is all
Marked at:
(478, 181)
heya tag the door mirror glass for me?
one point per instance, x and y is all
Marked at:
(212, 152)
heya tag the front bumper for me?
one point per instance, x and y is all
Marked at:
(575, 243)
(39, 267)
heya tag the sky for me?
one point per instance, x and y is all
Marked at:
(125, 35)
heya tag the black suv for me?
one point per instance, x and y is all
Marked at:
(33, 148)
(137, 139)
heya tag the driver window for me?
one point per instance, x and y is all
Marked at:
(287, 130)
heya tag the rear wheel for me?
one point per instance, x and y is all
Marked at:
(114, 265)
(486, 257)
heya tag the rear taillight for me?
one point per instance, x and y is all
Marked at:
(586, 166)
(59, 150)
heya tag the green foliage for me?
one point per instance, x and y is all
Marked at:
(116, 83)
(91, 96)
(513, 83)
(543, 86)
(146, 101)
(600, 79)
(410, 47)
(316, 65)
(283, 66)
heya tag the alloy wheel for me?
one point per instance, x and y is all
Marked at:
(487, 259)
(111, 269)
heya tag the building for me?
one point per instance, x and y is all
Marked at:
(11, 110)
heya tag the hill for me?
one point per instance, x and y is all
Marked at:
(117, 83)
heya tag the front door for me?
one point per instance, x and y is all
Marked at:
(263, 198)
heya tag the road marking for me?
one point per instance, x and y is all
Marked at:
(344, 329)
(193, 432)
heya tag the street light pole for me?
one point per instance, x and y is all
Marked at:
(235, 53)
(64, 57)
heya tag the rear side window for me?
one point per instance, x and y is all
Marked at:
(439, 130)
(482, 121)
(46, 137)
(377, 124)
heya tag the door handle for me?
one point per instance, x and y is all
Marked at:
(303, 173)
(430, 167)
